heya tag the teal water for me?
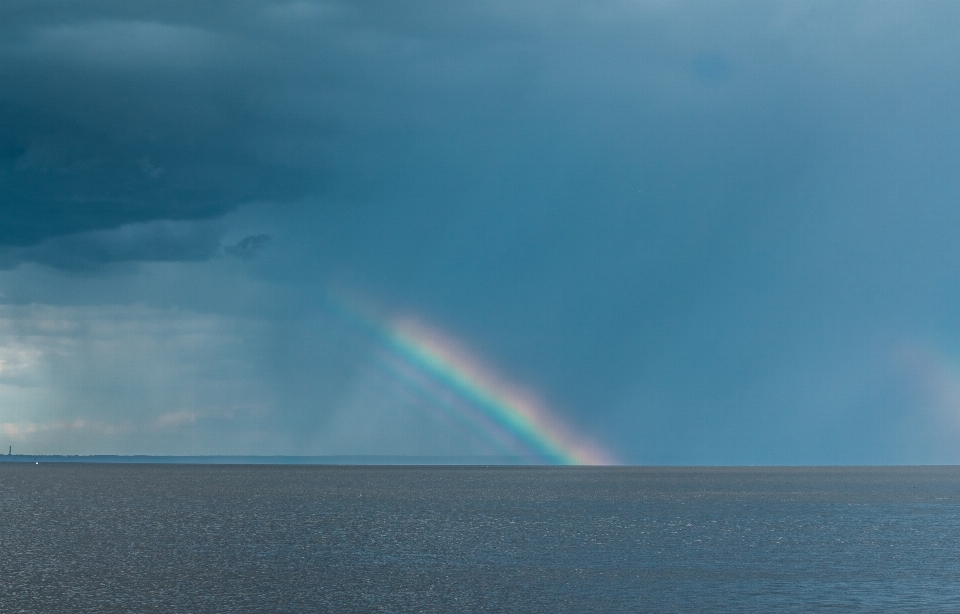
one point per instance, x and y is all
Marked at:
(242, 538)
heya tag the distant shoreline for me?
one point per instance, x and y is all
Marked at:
(268, 460)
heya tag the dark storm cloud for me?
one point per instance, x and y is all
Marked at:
(110, 116)
(113, 114)
(248, 247)
(151, 241)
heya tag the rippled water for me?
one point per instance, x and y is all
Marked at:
(182, 538)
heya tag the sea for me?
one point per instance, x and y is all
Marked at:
(148, 537)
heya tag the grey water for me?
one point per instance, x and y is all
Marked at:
(78, 537)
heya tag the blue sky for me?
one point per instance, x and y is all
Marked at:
(697, 232)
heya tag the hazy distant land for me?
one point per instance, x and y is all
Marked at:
(269, 460)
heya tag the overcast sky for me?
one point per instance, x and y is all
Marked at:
(705, 232)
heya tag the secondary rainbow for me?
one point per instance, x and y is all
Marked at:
(436, 365)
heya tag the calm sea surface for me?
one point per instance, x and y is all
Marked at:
(193, 538)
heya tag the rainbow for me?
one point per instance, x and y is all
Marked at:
(449, 377)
